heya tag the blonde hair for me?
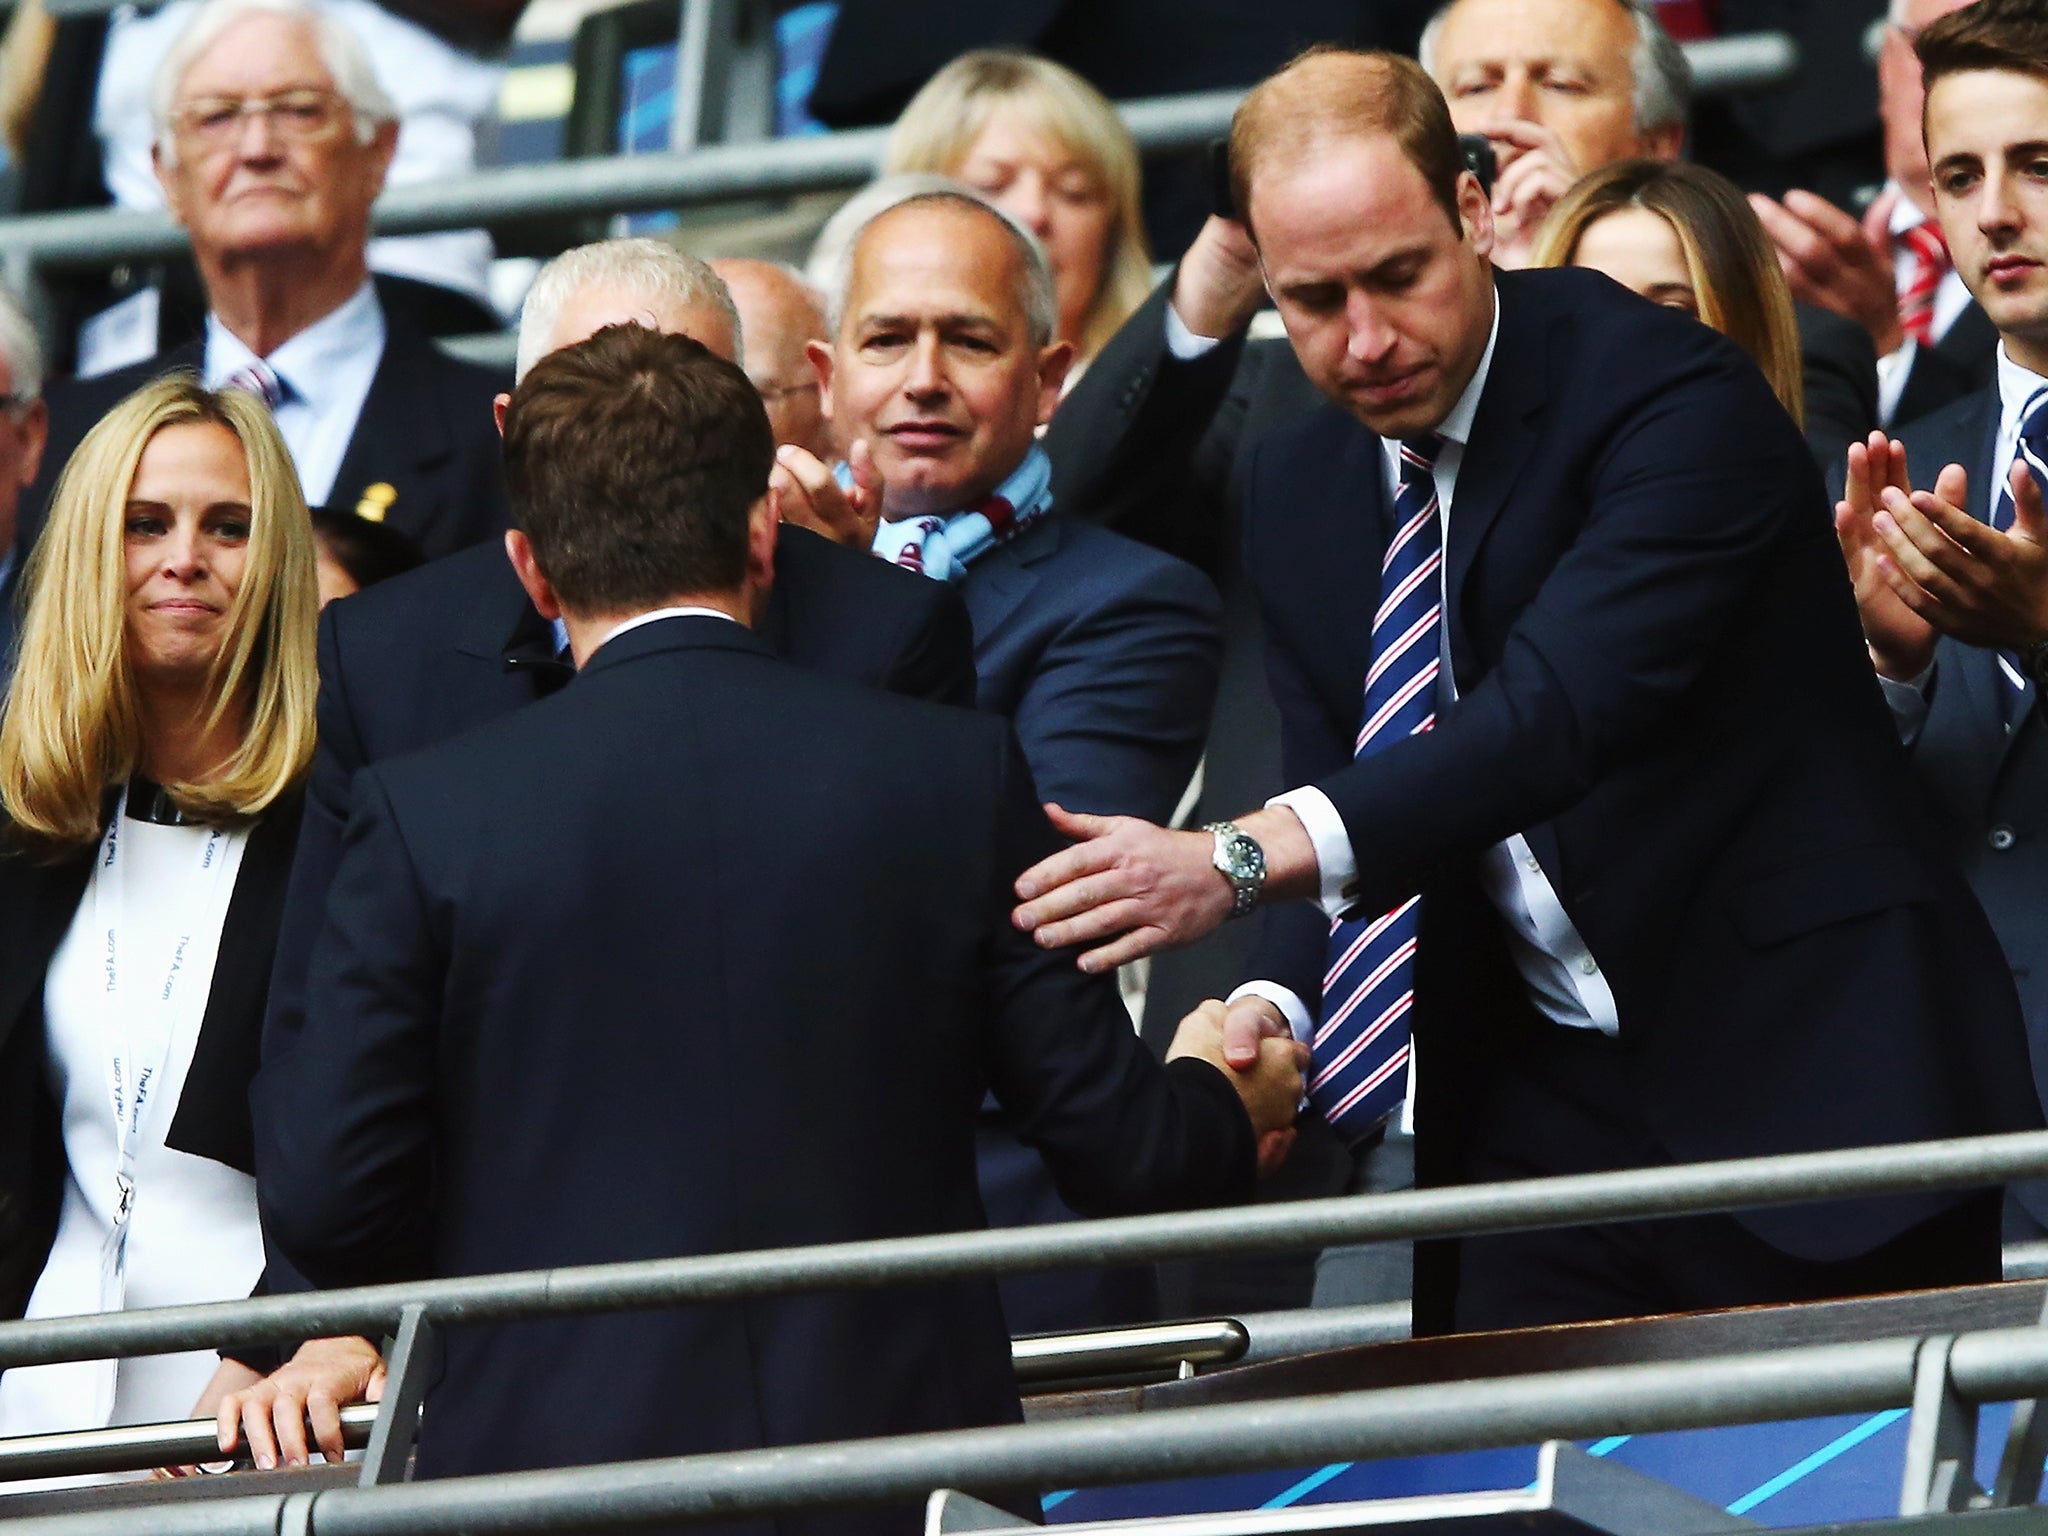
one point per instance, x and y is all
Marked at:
(72, 727)
(1731, 262)
(938, 129)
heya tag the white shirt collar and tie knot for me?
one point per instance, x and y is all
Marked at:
(258, 378)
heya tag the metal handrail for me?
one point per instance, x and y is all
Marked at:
(1801, 1382)
(1631, 1194)
(96, 238)
(126, 1447)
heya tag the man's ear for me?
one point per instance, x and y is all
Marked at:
(1665, 143)
(499, 404)
(383, 145)
(1053, 363)
(763, 528)
(519, 550)
(35, 436)
(820, 354)
(166, 177)
(1475, 213)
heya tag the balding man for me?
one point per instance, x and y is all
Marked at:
(1890, 271)
(1596, 795)
(780, 316)
(273, 136)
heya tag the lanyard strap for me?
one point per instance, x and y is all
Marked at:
(140, 1021)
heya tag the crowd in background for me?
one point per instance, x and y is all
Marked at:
(1729, 729)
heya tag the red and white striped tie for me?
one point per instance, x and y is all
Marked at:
(1930, 264)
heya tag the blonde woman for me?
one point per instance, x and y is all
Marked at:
(1042, 143)
(151, 754)
(1683, 236)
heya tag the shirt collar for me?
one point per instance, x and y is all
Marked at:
(1457, 427)
(306, 361)
(687, 611)
(2016, 387)
(1906, 213)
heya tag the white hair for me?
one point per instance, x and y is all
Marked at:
(830, 269)
(21, 349)
(1658, 68)
(341, 51)
(650, 269)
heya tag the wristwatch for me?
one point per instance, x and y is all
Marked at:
(1241, 861)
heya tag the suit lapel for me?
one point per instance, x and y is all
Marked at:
(1503, 436)
(400, 435)
(1002, 579)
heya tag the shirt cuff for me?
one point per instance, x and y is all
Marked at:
(1183, 343)
(1289, 1005)
(1336, 864)
(1908, 701)
(1892, 371)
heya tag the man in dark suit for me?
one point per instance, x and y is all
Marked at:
(272, 165)
(1951, 581)
(1563, 649)
(1889, 271)
(641, 1020)
(458, 643)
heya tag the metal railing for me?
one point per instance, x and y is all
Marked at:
(92, 239)
(1938, 1377)
(1632, 1194)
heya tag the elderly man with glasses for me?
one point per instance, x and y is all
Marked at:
(273, 137)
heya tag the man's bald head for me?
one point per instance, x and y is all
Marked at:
(780, 316)
(626, 282)
(1329, 95)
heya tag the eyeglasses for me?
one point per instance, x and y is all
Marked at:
(770, 393)
(297, 117)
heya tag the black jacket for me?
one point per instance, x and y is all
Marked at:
(425, 438)
(37, 904)
(604, 980)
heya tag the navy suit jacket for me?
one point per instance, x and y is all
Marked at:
(1105, 655)
(426, 434)
(424, 656)
(1988, 787)
(1662, 682)
(596, 986)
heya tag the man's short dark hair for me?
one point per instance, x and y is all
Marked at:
(632, 459)
(2009, 35)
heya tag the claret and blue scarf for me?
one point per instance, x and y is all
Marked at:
(943, 547)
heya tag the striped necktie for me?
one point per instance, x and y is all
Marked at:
(258, 378)
(2032, 451)
(1928, 264)
(1361, 1046)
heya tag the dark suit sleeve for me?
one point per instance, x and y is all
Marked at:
(936, 659)
(343, 1127)
(1118, 1132)
(1839, 374)
(1693, 502)
(1117, 706)
(1132, 441)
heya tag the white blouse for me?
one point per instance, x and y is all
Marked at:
(192, 1232)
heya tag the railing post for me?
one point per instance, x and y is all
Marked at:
(414, 1359)
(2026, 1448)
(1941, 1443)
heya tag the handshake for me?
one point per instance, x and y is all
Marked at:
(1263, 1061)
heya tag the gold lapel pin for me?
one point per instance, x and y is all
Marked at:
(376, 501)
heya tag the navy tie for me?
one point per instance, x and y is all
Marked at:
(1361, 1046)
(2032, 451)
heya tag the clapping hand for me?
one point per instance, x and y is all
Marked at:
(1901, 641)
(1265, 1067)
(1835, 262)
(805, 492)
(1963, 577)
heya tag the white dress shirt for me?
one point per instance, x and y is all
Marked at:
(686, 611)
(2017, 386)
(1950, 300)
(326, 370)
(440, 92)
(1565, 981)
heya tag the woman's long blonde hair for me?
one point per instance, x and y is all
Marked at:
(1734, 268)
(72, 727)
(937, 131)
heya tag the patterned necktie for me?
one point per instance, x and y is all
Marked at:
(1929, 263)
(258, 378)
(1361, 1046)
(2032, 451)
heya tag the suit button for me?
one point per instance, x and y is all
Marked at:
(2002, 838)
